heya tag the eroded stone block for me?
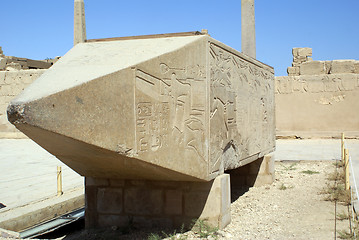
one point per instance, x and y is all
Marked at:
(284, 84)
(342, 66)
(194, 203)
(356, 67)
(312, 68)
(2, 77)
(160, 205)
(304, 52)
(117, 183)
(217, 209)
(99, 182)
(293, 71)
(143, 201)
(7, 234)
(328, 66)
(295, 64)
(109, 200)
(173, 202)
(345, 82)
(187, 110)
(13, 67)
(110, 220)
(2, 63)
(152, 222)
(299, 59)
(178, 110)
(295, 51)
(257, 173)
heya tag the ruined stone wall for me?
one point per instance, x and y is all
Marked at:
(11, 84)
(318, 98)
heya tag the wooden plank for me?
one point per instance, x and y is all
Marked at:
(164, 35)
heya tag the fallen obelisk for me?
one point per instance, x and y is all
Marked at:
(153, 122)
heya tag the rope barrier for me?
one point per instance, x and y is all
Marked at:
(351, 189)
(354, 181)
(352, 172)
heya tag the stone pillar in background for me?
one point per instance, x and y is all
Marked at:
(248, 28)
(79, 22)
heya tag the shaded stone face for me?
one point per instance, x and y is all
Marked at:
(174, 108)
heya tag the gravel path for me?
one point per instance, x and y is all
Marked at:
(291, 208)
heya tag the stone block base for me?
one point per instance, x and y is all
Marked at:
(149, 204)
(256, 173)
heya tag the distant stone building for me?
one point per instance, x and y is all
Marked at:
(318, 98)
(15, 74)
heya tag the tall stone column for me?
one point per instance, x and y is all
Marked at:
(248, 28)
(79, 22)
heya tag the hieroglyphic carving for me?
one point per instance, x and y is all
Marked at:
(317, 83)
(174, 106)
(152, 125)
(172, 100)
(241, 107)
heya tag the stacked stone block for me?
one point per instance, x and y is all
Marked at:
(2, 60)
(257, 173)
(300, 55)
(303, 64)
(149, 204)
(169, 204)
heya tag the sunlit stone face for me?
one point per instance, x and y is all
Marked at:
(176, 108)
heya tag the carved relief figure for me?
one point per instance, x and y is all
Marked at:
(239, 106)
(316, 83)
(176, 106)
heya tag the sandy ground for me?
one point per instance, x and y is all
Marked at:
(293, 207)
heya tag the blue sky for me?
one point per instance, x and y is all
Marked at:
(42, 29)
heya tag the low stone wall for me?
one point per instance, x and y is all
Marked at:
(318, 98)
(170, 204)
(149, 204)
(11, 84)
